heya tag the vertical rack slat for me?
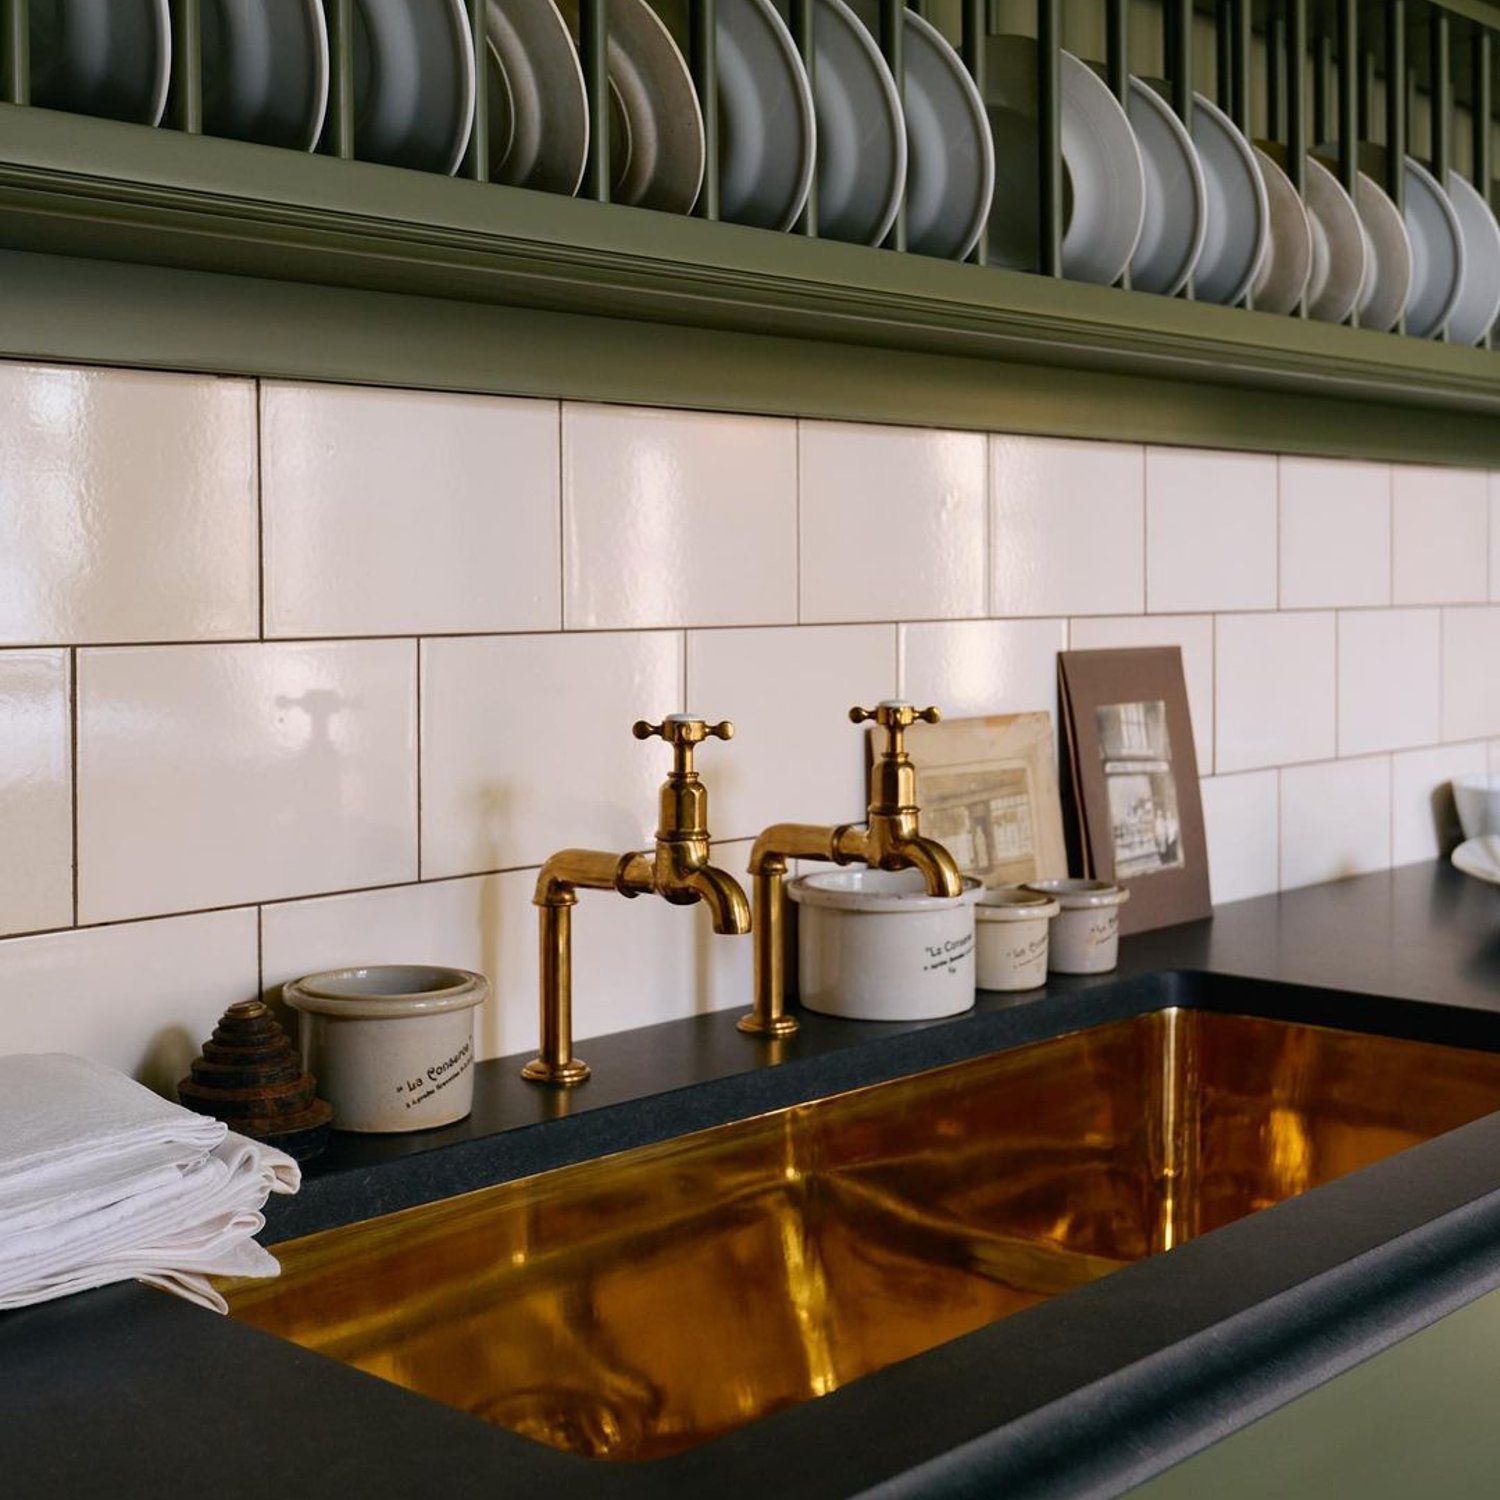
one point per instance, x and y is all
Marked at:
(16, 17)
(1241, 51)
(1276, 74)
(703, 44)
(1440, 92)
(1296, 102)
(803, 13)
(593, 53)
(1049, 136)
(1348, 109)
(1483, 107)
(1117, 68)
(971, 46)
(1366, 94)
(893, 46)
(341, 77)
(477, 158)
(1224, 54)
(1178, 17)
(1322, 129)
(1395, 101)
(187, 66)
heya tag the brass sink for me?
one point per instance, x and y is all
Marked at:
(638, 1305)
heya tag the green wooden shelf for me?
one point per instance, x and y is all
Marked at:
(147, 247)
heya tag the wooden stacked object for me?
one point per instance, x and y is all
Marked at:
(251, 1077)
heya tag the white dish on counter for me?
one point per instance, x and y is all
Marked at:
(872, 945)
(1476, 798)
(1479, 857)
(538, 108)
(1239, 213)
(265, 71)
(102, 57)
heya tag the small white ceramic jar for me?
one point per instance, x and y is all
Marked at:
(1011, 930)
(872, 945)
(1086, 934)
(392, 1046)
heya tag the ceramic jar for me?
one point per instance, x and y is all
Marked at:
(872, 945)
(392, 1047)
(1011, 938)
(1086, 933)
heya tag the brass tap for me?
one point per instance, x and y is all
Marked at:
(889, 839)
(678, 870)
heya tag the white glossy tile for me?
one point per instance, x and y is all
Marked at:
(129, 510)
(1067, 527)
(141, 996)
(1335, 533)
(892, 522)
(212, 775)
(1390, 679)
(1274, 690)
(1423, 822)
(1440, 535)
(1241, 818)
(1193, 633)
(36, 792)
(795, 756)
(399, 512)
(1335, 820)
(1471, 673)
(526, 745)
(677, 518)
(980, 667)
(1210, 531)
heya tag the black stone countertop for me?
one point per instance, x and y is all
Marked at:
(126, 1392)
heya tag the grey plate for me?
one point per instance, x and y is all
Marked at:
(102, 57)
(1286, 266)
(1176, 197)
(413, 83)
(1239, 215)
(767, 123)
(1479, 300)
(265, 71)
(950, 169)
(538, 109)
(1437, 243)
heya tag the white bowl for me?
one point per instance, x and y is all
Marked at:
(1477, 798)
(1480, 858)
(872, 945)
(1086, 934)
(1011, 926)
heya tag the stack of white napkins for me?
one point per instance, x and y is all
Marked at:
(101, 1181)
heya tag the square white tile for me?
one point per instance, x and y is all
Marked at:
(1471, 673)
(795, 757)
(1440, 535)
(892, 522)
(1422, 800)
(1067, 527)
(1241, 818)
(213, 775)
(141, 996)
(1335, 820)
(402, 512)
(36, 792)
(527, 749)
(1193, 633)
(1390, 679)
(981, 667)
(677, 518)
(1335, 533)
(1274, 690)
(129, 509)
(1210, 531)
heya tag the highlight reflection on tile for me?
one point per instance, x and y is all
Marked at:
(36, 811)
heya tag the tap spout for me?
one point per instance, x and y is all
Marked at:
(938, 868)
(724, 897)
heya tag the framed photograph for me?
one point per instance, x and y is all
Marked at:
(988, 789)
(1134, 775)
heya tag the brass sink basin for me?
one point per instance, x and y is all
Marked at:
(639, 1305)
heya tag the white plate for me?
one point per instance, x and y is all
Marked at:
(1105, 183)
(1479, 299)
(656, 142)
(767, 129)
(861, 128)
(1480, 858)
(413, 83)
(1176, 195)
(265, 71)
(1437, 248)
(1239, 214)
(102, 57)
(950, 169)
(1287, 263)
(1388, 267)
(539, 112)
(1340, 246)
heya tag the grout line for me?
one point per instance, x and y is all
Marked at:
(73, 766)
(260, 950)
(420, 720)
(797, 510)
(1145, 531)
(682, 700)
(1280, 584)
(990, 540)
(1338, 677)
(260, 517)
(562, 526)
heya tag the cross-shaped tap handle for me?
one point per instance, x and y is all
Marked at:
(682, 732)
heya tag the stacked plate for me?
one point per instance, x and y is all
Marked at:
(844, 152)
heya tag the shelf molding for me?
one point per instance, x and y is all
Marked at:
(403, 278)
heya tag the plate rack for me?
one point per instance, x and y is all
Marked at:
(166, 247)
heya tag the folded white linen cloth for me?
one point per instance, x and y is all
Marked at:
(101, 1181)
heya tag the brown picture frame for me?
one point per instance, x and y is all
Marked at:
(1133, 773)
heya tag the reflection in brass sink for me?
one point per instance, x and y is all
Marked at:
(639, 1305)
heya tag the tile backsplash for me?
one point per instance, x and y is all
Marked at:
(294, 676)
